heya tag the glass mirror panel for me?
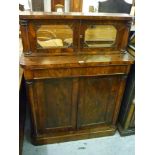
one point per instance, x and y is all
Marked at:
(54, 36)
(100, 36)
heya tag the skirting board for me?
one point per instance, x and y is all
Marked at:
(73, 135)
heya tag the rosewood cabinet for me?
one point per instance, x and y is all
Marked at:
(75, 66)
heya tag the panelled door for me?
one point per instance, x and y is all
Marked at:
(54, 104)
(97, 100)
(64, 104)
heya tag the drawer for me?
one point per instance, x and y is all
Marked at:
(78, 72)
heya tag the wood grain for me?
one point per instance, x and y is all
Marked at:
(97, 100)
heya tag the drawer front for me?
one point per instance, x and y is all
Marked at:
(78, 72)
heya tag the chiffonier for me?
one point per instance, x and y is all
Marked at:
(75, 67)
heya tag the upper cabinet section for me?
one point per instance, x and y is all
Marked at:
(71, 33)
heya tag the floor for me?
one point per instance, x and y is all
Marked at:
(112, 145)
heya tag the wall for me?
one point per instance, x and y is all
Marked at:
(47, 5)
(67, 5)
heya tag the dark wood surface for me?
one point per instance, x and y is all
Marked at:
(78, 95)
(73, 135)
(54, 98)
(96, 108)
(75, 61)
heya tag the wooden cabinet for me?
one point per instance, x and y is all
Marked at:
(75, 66)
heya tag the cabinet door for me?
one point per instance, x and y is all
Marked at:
(54, 104)
(98, 97)
(52, 37)
(103, 35)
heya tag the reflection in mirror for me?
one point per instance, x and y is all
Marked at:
(100, 36)
(54, 36)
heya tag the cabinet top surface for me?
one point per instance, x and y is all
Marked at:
(74, 15)
(75, 61)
